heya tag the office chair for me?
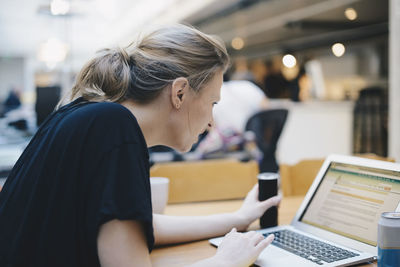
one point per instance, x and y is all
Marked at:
(46, 100)
(267, 126)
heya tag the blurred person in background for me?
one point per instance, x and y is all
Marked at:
(259, 70)
(241, 70)
(304, 83)
(16, 115)
(275, 83)
(298, 87)
(239, 100)
(80, 193)
(12, 101)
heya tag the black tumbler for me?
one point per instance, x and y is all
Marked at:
(268, 187)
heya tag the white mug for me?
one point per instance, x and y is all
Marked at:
(159, 193)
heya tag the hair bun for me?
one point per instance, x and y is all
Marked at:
(105, 77)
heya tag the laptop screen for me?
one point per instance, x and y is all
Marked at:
(350, 199)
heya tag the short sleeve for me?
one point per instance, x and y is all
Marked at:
(126, 187)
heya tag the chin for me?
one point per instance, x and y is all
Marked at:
(180, 147)
(183, 145)
(184, 149)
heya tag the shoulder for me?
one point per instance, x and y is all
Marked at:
(102, 119)
(104, 109)
(105, 113)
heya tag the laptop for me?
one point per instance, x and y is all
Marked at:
(336, 224)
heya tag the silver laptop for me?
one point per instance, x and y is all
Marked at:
(336, 225)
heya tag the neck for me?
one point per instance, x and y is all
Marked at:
(151, 119)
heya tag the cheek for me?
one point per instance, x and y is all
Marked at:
(198, 116)
(209, 114)
(203, 117)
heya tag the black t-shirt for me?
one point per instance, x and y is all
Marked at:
(87, 164)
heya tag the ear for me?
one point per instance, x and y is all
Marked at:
(179, 91)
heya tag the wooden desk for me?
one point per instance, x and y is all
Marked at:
(184, 254)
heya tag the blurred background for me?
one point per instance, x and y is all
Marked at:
(331, 64)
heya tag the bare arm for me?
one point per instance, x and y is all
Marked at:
(176, 229)
(122, 243)
(264, 103)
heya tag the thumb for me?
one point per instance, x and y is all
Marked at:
(232, 231)
(273, 201)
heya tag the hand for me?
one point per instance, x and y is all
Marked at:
(241, 249)
(252, 208)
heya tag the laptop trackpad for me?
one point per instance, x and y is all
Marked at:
(273, 256)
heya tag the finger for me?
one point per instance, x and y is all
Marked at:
(279, 203)
(264, 243)
(231, 232)
(273, 201)
(250, 233)
(256, 239)
(270, 238)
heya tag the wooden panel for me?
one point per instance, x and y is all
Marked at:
(374, 156)
(207, 180)
(297, 179)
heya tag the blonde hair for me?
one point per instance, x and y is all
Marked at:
(143, 69)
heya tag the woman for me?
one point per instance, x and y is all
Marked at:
(79, 195)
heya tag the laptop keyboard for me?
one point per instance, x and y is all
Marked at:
(309, 248)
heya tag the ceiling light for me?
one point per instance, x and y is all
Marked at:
(338, 49)
(350, 13)
(59, 7)
(289, 61)
(237, 43)
(52, 51)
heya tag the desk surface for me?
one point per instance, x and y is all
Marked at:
(184, 254)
